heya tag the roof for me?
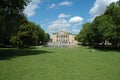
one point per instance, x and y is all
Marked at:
(64, 32)
(54, 33)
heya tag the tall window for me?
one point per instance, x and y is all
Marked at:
(64, 36)
(66, 40)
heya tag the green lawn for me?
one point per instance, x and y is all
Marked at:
(44, 63)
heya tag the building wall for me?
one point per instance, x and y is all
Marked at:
(63, 37)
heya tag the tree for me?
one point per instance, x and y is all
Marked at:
(11, 15)
(102, 24)
(85, 33)
(105, 27)
(118, 3)
(47, 37)
(114, 32)
(29, 34)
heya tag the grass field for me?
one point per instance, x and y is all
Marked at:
(44, 63)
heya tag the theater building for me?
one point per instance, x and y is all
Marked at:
(63, 37)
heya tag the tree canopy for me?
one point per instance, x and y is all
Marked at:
(104, 28)
(14, 26)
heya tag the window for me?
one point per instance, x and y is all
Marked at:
(66, 40)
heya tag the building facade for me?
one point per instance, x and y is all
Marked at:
(63, 37)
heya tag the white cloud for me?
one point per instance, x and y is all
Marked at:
(52, 5)
(100, 7)
(59, 24)
(76, 19)
(65, 3)
(71, 25)
(64, 15)
(75, 30)
(31, 7)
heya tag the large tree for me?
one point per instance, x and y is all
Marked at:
(11, 16)
(105, 27)
(29, 34)
(114, 32)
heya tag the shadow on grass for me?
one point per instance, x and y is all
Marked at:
(6, 54)
(108, 49)
(104, 49)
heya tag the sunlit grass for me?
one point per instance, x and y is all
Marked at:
(79, 63)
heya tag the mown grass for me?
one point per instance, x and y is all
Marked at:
(44, 63)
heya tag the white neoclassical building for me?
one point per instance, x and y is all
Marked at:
(63, 37)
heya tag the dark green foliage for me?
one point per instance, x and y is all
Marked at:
(104, 28)
(47, 37)
(15, 28)
(84, 33)
(29, 34)
(11, 16)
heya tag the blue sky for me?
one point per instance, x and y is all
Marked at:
(68, 15)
